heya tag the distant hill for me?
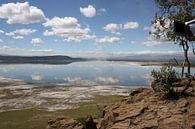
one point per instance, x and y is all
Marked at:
(149, 57)
(58, 59)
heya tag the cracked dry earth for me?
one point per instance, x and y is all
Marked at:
(144, 110)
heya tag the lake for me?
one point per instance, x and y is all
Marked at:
(67, 85)
(82, 73)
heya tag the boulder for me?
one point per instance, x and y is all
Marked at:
(64, 123)
(69, 123)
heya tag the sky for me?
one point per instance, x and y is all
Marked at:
(79, 28)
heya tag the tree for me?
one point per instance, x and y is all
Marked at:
(170, 11)
(163, 80)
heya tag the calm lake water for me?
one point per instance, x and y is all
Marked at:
(83, 73)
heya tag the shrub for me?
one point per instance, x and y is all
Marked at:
(163, 81)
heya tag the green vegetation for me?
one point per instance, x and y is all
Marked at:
(37, 119)
(163, 81)
(163, 22)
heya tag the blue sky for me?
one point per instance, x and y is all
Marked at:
(78, 27)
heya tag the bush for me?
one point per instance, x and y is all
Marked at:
(163, 81)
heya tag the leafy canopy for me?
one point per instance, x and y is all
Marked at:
(169, 11)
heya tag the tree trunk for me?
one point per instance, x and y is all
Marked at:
(186, 60)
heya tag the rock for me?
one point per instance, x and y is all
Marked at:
(184, 86)
(90, 124)
(192, 114)
(190, 90)
(182, 102)
(64, 123)
(136, 91)
(148, 124)
(174, 122)
(69, 123)
(144, 110)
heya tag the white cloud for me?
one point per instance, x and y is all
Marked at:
(48, 33)
(21, 32)
(112, 27)
(37, 76)
(146, 28)
(10, 34)
(131, 25)
(101, 11)
(21, 13)
(151, 43)
(1, 41)
(149, 52)
(68, 28)
(2, 32)
(66, 22)
(36, 41)
(108, 40)
(18, 37)
(89, 11)
(133, 42)
(157, 35)
(6, 50)
(105, 55)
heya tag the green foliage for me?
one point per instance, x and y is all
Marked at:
(163, 80)
(172, 10)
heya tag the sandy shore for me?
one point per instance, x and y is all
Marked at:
(17, 95)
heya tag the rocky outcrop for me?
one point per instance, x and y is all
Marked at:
(64, 123)
(69, 123)
(144, 110)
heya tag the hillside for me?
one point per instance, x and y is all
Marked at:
(38, 59)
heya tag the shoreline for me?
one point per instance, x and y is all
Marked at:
(18, 95)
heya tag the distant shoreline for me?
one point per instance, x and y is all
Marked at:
(58, 59)
(62, 60)
(53, 62)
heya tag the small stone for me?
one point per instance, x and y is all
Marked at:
(182, 103)
(136, 91)
(64, 123)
